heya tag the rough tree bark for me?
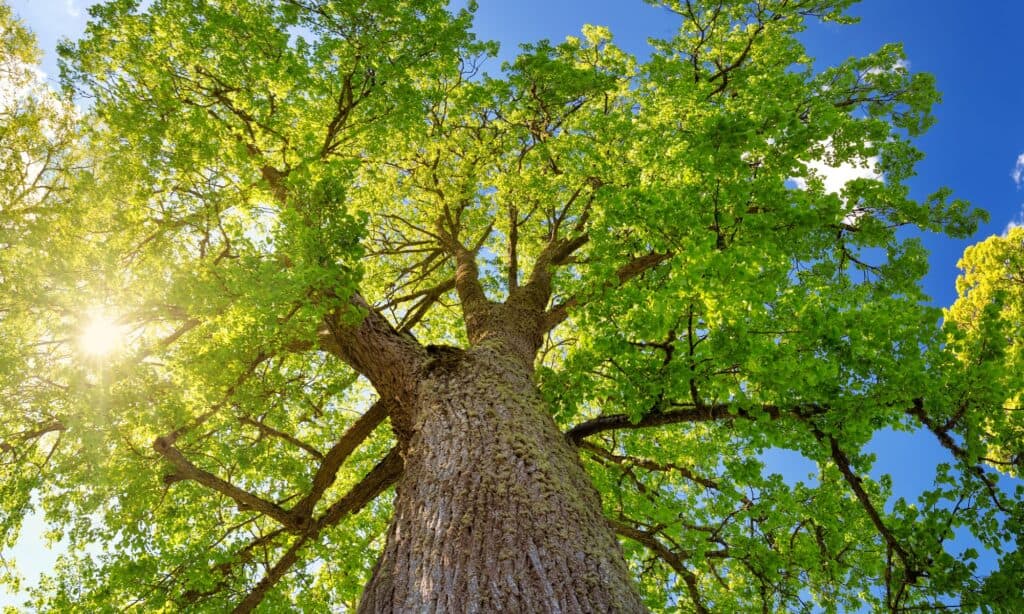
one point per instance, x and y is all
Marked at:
(494, 512)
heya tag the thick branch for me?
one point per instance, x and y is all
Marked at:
(273, 576)
(475, 305)
(388, 358)
(722, 412)
(18, 450)
(372, 347)
(55, 425)
(856, 485)
(379, 479)
(244, 556)
(534, 295)
(942, 434)
(703, 413)
(634, 268)
(186, 470)
(332, 461)
(513, 248)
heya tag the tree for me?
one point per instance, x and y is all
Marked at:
(988, 317)
(584, 295)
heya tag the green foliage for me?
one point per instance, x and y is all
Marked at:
(245, 167)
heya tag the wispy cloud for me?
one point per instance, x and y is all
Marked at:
(72, 10)
(1018, 171)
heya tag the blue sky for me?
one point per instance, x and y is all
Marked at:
(974, 53)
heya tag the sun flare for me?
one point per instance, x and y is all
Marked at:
(102, 334)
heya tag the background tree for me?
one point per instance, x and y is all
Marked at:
(990, 348)
(584, 294)
(36, 167)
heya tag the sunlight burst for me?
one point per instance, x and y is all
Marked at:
(102, 334)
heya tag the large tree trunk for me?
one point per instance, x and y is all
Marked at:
(494, 512)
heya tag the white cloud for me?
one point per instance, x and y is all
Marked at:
(835, 178)
(900, 65)
(1018, 171)
(72, 10)
(1018, 221)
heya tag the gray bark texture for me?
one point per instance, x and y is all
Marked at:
(494, 512)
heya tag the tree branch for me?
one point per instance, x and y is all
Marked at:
(388, 358)
(842, 462)
(942, 434)
(649, 541)
(245, 499)
(650, 465)
(692, 413)
(379, 479)
(475, 305)
(427, 301)
(273, 576)
(332, 461)
(513, 248)
(171, 438)
(266, 429)
(634, 268)
(435, 291)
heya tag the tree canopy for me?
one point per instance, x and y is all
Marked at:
(248, 182)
